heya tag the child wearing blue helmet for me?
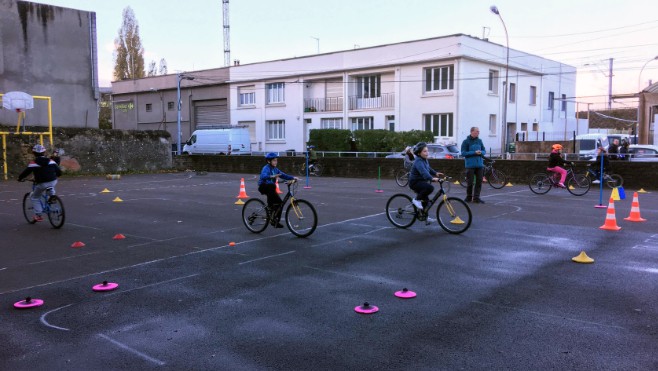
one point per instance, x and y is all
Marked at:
(267, 184)
(45, 172)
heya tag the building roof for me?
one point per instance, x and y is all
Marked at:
(653, 88)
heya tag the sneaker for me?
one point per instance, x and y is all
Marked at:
(37, 218)
(418, 204)
(478, 201)
(429, 220)
(561, 185)
(596, 181)
(468, 199)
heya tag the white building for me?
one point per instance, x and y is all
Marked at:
(445, 84)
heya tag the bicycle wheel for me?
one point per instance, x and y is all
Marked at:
(400, 211)
(453, 215)
(56, 213)
(402, 177)
(302, 170)
(540, 183)
(28, 210)
(317, 170)
(301, 218)
(255, 215)
(614, 180)
(497, 179)
(463, 180)
(578, 184)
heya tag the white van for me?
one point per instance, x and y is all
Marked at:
(227, 141)
(587, 145)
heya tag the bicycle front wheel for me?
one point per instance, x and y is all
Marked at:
(56, 214)
(578, 184)
(540, 183)
(400, 211)
(301, 218)
(317, 170)
(255, 215)
(453, 215)
(614, 180)
(402, 177)
(497, 179)
(28, 210)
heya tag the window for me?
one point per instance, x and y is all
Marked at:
(439, 78)
(493, 82)
(533, 95)
(247, 95)
(439, 124)
(275, 92)
(361, 123)
(512, 93)
(535, 126)
(564, 103)
(331, 123)
(492, 124)
(369, 86)
(149, 107)
(276, 130)
(551, 99)
(170, 106)
(524, 126)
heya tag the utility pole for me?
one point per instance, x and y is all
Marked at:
(227, 36)
(610, 86)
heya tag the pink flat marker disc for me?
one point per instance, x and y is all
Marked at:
(405, 294)
(366, 309)
(105, 286)
(28, 303)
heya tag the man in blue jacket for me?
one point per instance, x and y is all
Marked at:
(473, 152)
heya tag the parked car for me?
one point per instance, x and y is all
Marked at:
(643, 153)
(443, 151)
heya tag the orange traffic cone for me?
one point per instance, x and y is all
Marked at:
(243, 191)
(610, 219)
(635, 211)
(277, 188)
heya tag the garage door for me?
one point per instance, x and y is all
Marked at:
(213, 112)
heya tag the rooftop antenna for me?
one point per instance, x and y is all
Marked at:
(227, 36)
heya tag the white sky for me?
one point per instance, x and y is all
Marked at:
(582, 33)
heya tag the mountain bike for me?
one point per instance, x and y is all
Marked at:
(50, 204)
(452, 213)
(611, 180)
(301, 217)
(576, 184)
(313, 169)
(496, 178)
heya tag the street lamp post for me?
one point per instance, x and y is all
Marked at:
(180, 77)
(495, 11)
(640, 114)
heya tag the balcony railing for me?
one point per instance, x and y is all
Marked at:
(384, 101)
(331, 104)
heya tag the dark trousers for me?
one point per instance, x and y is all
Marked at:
(273, 199)
(474, 192)
(423, 189)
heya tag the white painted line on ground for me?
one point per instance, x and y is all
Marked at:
(66, 258)
(549, 315)
(133, 351)
(43, 318)
(350, 237)
(85, 226)
(267, 257)
(365, 277)
(1, 269)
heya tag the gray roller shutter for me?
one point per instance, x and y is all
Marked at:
(213, 112)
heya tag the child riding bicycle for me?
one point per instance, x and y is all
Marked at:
(267, 185)
(421, 175)
(556, 163)
(595, 167)
(45, 172)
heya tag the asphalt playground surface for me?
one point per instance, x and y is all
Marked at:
(503, 295)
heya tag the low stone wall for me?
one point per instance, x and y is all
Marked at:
(94, 151)
(636, 175)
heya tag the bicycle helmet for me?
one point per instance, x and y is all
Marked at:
(419, 147)
(38, 149)
(271, 156)
(310, 147)
(557, 146)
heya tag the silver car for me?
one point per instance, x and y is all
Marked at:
(643, 153)
(443, 151)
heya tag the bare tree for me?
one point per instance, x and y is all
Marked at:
(153, 71)
(129, 52)
(163, 66)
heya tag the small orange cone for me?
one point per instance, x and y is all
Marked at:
(118, 237)
(610, 219)
(243, 191)
(77, 244)
(635, 211)
(277, 188)
(231, 243)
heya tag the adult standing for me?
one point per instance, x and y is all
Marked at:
(613, 149)
(623, 150)
(473, 152)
